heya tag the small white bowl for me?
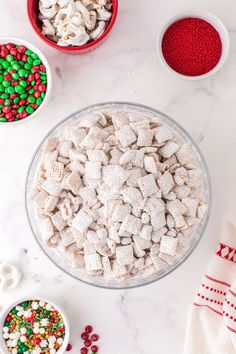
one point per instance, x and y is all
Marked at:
(4, 313)
(216, 23)
(19, 41)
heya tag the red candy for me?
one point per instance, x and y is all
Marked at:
(6, 109)
(94, 348)
(14, 82)
(24, 58)
(9, 45)
(2, 100)
(13, 51)
(9, 115)
(42, 88)
(94, 337)
(22, 102)
(84, 335)
(7, 77)
(87, 343)
(69, 347)
(88, 329)
(84, 350)
(21, 49)
(35, 69)
(4, 52)
(37, 94)
(31, 77)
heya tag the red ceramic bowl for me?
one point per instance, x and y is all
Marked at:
(33, 11)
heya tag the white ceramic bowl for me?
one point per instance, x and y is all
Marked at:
(19, 41)
(4, 313)
(215, 22)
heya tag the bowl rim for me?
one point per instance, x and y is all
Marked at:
(60, 309)
(74, 49)
(209, 194)
(17, 40)
(213, 20)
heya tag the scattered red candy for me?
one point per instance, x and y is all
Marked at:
(88, 329)
(69, 347)
(84, 335)
(87, 343)
(83, 350)
(94, 337)
(94, 348)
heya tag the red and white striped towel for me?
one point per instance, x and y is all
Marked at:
(212, 323)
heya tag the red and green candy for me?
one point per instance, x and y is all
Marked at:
(23, 82)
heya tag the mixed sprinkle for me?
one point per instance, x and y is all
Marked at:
(23, 82)
(34, 327)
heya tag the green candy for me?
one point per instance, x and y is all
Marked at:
(23, 83)
(24, 96)
(15, 76)
(10, 90)
(37, 62)
(42, 94)
(1, 78)
(21, 109)
(19, 89)
(29, 109)
(28, 52)
(2, 88)
(7, 102)
(22, 72)
(16, 67)
(16, 118)
(14, 311)
(9, 58)
(3, 119)
(5, 65)
(6, 83)
(30, 61)
(31, 91)
(34, 56)
(4, 95)
(33, 82)
(31, 99)
(39, 101)
(46, 312)
(16, 100)
(27, 66)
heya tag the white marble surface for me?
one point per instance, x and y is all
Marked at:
(150, 319)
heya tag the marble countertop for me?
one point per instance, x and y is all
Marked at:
(126, 67)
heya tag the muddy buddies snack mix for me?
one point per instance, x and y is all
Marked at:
(119, 194)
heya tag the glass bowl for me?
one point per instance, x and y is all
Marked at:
(64, 263)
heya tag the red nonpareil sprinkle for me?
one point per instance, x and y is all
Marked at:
(192, 46)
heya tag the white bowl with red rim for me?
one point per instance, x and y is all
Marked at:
(211, 19)
(28, 45)
(5, 312)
